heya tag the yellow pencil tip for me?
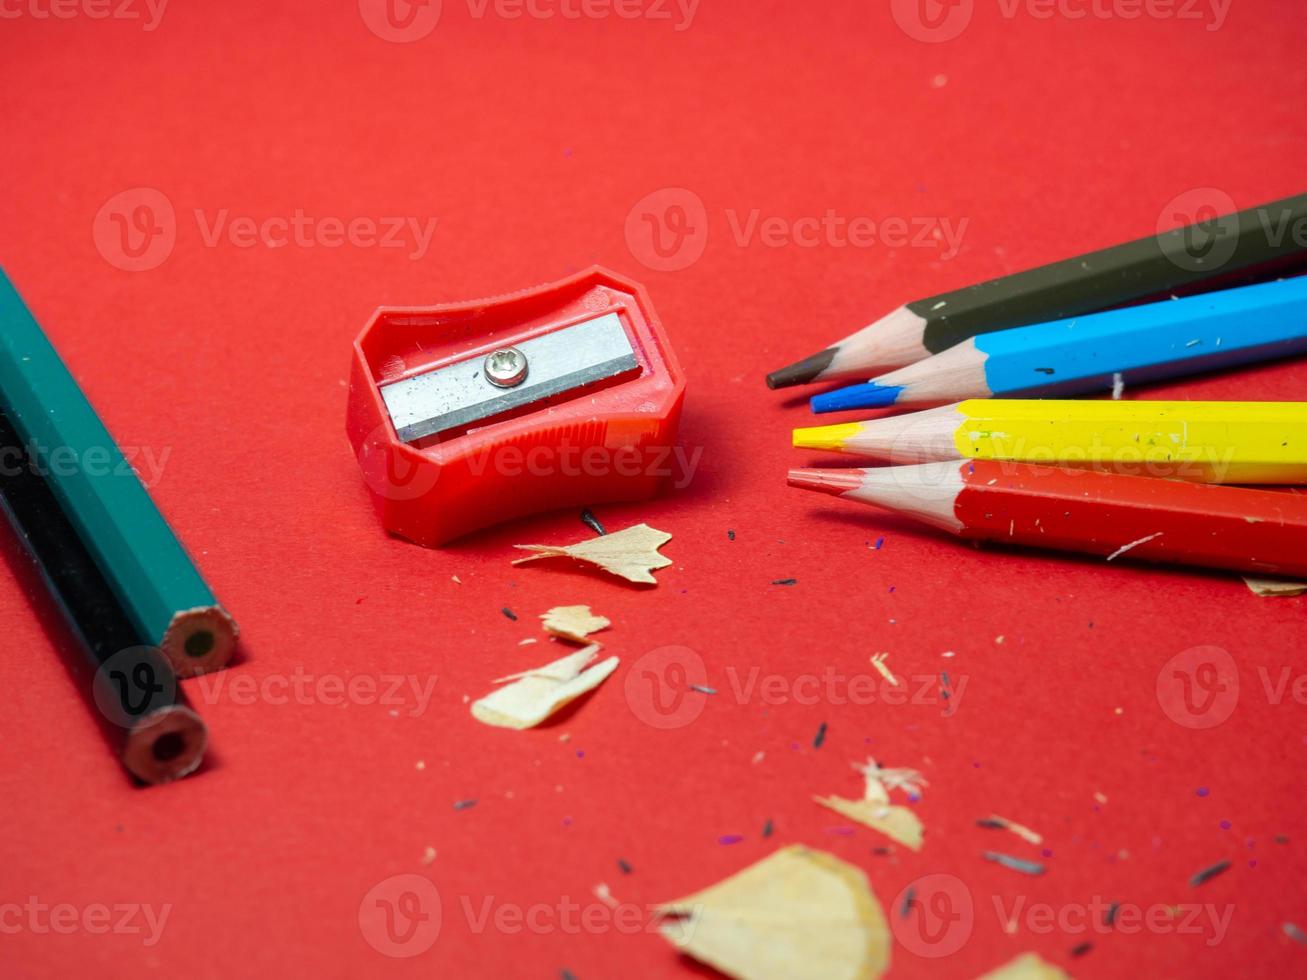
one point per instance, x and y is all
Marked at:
(830, 438)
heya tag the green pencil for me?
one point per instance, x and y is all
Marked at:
(149, 571)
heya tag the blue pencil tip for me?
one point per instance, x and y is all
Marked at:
(869, 395)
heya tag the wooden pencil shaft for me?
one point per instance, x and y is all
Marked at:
(1210, 442)
(1259, 531)
(1114, 276)
(154, 579)
(131, 685)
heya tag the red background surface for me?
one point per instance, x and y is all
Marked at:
(531, 140)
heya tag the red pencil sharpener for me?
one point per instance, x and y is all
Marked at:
(471, 414)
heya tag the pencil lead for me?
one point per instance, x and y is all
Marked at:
(830, 438)
(802, 372)
(832, 481)
(868, 395)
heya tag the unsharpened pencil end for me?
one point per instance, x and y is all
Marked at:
(869, 395)
(829, 438)
(802, 372)
(835, 482)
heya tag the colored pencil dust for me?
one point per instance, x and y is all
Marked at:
(1207, 442)
(1150, 267)
(149, 571)
(155, 732)
(1139, 517)
(1068, 357)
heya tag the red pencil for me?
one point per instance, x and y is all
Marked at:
(1089, 511)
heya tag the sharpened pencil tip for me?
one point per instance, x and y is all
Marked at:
(830, 438)
(869, 395)
(802, 372)
(830, 481)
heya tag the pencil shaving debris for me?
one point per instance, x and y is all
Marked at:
(1014, 863)
(878, 661)
(631, 553)
(994, 821)
(797, 914)
(874, 810)
(531, 697)
(1027, 966)
(1274, 587)
(573, 622)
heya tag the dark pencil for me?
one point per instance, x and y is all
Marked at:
(1206, 253)
(156, 582)
(132, 685)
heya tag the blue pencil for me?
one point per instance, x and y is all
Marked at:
(1069, 357)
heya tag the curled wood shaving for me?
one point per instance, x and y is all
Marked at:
(573, 622)
(1027, 966)
(532, 696)
(1274, 587)
(899, 823)
(797, 914)
(631, 553)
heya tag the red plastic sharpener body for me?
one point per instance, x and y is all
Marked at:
(445, 450)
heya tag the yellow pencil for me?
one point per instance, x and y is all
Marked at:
(1205, 442)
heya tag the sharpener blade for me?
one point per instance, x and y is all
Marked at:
(460, 394)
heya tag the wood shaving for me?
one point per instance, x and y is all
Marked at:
(1027, 966)
(878, 661)
(899, 823)
(531, 697)
(573, 622)
(631, 553)
(1002, 823)
(1274, 587)
(798, 914)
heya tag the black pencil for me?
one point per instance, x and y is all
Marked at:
(1212, 252)
(131, 686)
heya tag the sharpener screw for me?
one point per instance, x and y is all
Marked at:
(506, 367)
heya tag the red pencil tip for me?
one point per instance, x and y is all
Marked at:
(830, 481)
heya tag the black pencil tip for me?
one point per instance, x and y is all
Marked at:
(801, 372)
